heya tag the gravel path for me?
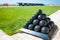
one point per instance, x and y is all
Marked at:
(22, 36)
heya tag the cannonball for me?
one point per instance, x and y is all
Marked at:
(37, 28)
(31, 27)
(42, 23)
(35, 22)
(42, 16)
(47, 20)
(51, 23)
(25, 25)
(39, 12)
(34, 16)
(44, 30)
(30, 20)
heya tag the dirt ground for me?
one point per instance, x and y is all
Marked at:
(22, 36)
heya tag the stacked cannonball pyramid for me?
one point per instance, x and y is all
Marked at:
(39, 23)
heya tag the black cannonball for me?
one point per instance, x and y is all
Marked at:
(51, 23)
(37, 28)
(39, 12)
(49, 26)
(42, 16)
(35, 22)
(47, 20)
(34, 16)
(42, 23)
(31, 27)
(30, 21)
(25, 25)
(44, 30)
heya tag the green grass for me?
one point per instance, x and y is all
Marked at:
(12, 18)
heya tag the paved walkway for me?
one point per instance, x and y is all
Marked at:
(22, 36)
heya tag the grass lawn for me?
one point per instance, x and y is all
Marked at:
(12, 18)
